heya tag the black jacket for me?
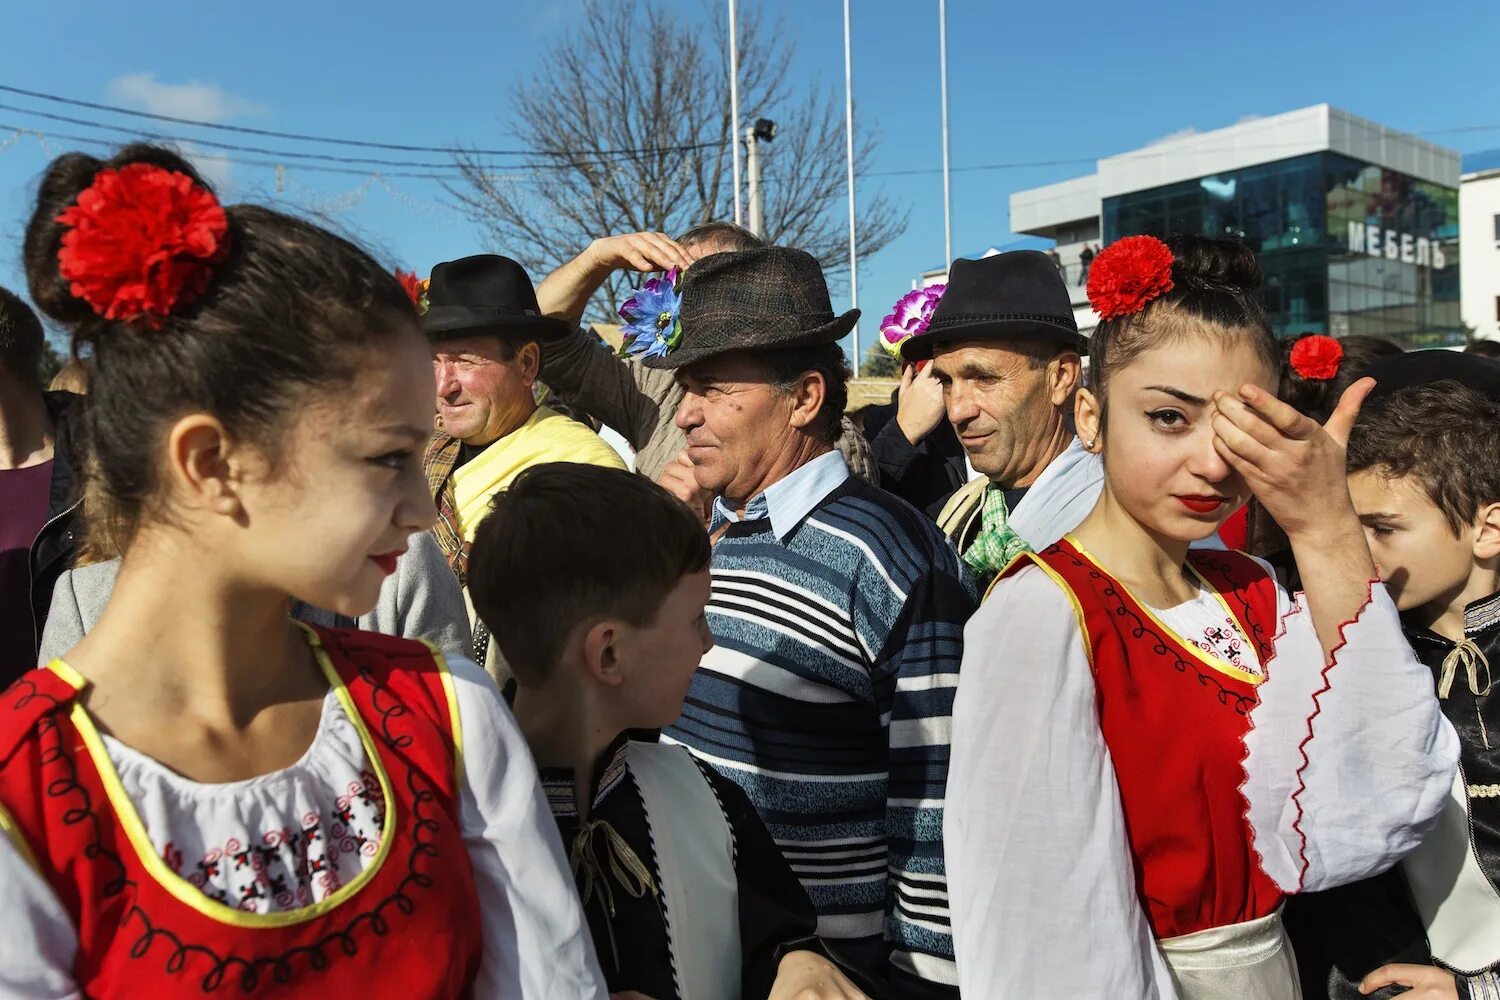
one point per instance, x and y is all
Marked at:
(1343, 934)
(924, 474)
(52, 549)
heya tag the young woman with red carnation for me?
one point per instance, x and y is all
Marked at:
(1152, 747)
(204, 794)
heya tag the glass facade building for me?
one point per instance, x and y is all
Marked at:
(1346, 247)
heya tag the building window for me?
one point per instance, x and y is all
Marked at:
(1497, 298)
(1497, 229)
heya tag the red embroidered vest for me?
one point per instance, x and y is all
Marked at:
(1174, 719)
(408, 926)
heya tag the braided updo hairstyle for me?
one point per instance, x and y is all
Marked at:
(289, 309)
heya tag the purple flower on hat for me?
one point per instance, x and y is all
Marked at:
(909, 317)
(653, 325)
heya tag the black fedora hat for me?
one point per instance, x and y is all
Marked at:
(769, 298)
(1403, 371)
(1010, 296)
(485, 294)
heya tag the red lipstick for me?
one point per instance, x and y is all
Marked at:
(387, 562)
(1201, 505)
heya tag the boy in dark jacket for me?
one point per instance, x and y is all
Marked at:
(593, 583)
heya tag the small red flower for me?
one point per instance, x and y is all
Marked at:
(1128, 274)
(142, 240)
(411, 285)
(1317, 357)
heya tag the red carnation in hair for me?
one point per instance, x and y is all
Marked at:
(1128, 274)
(142, 240)
(411, 285)
(1316, 357)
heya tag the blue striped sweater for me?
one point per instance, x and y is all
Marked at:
(838, 612)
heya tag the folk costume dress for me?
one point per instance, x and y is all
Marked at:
(407, 854)
(685, 892)
(1135, 790)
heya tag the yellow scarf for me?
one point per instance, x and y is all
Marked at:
(547, 437)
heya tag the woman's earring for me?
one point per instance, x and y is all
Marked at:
(1093, 443)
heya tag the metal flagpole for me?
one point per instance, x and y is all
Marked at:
(849, 144)
(734, 112)
(947, 202)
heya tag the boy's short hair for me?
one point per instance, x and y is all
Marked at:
(1442, 433)
(568, 543)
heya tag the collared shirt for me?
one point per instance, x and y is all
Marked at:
(789, 500)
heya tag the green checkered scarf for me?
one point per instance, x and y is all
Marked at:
(997, 542)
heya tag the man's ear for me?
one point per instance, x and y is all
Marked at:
(601, 654)
(529, 356)
(1487, 532)
(808, 394)
(1064, 374)
(204, 467)
(1088, 418)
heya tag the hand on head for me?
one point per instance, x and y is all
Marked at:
(642, 252)
(920, 408)
(1293, 466)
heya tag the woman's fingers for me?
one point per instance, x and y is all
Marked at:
(1341, 421)
(1247, 420)
(1282, 416)
(1240, 443)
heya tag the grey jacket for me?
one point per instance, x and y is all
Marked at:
(421, 600)
(641, 403)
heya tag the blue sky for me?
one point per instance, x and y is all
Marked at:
(1027, 82)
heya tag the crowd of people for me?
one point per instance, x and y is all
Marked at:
(346, 658)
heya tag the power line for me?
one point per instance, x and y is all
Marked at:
(363, 143)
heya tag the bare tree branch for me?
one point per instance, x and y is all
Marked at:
(631, 134)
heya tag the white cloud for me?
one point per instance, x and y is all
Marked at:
(199, 101)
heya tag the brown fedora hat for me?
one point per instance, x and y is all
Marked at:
(765, 299)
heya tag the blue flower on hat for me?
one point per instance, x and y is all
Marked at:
(653, 326)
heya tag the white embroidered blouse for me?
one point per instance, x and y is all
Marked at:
(284, 840)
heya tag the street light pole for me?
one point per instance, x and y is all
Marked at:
(849, 148)
(734, 112)
(947, 201)
(752, 182)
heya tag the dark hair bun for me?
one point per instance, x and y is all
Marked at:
(1214, 265)
(64, 180)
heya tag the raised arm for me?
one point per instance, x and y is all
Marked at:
(565, 292)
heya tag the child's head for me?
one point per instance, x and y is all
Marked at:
(260, 388)
(1157, 358)
(21, 341)
(1426, 484)
(595, 580)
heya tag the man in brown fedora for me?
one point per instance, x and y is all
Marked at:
(837, 612)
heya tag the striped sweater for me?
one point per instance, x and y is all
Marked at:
(838, 612)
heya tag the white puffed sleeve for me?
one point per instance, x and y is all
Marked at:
(536, 942)
(1349, 763)
(1040, 875)
(40, 941)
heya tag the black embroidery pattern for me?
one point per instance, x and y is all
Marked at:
(249, 973)
(1161, 646)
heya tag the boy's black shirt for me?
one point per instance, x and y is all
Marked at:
(1342, 935)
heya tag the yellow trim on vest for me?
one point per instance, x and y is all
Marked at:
(1212, 662)
(1041, 564)
(13, 831)
(72, 677)
(189, 894)
(455, 723)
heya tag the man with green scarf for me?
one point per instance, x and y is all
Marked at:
(1005, 347)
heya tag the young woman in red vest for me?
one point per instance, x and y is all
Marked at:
(1151, 746)
(203, 796)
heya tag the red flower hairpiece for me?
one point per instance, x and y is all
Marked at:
(415, 289)
(141, 241)
(1316, 357)
(1128, 274)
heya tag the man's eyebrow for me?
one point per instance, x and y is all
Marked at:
(1186, 397)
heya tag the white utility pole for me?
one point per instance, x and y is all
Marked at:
(734, 112)
(757, 224)
(947, 201)
(849, 147)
